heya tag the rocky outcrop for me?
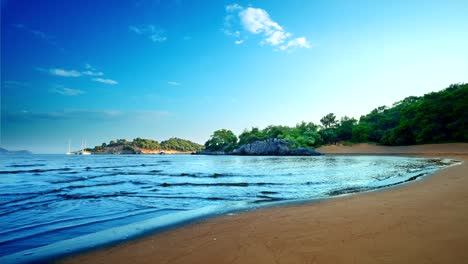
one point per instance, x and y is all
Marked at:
(272, 147)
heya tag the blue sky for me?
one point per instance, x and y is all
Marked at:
(101, 70)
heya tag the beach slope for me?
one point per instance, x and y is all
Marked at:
(421, 222)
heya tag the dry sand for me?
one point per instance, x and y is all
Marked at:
(422, 222)
(427, 150)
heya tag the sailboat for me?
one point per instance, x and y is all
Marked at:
(69, 151)
(83, 150)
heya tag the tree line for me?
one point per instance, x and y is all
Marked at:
(170, 144)
(436, 117)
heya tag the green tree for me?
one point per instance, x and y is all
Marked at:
(329, 121)
(222, 139)
(345, 129)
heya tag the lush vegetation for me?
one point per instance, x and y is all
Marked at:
(433, 118)
(180, 145)
(222, 140)
(149, 144)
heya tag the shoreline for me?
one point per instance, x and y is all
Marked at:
(271, 233)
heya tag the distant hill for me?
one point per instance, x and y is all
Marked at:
(147, 146)
(14, 152)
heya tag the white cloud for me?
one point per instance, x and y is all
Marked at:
(233, 7)
(277, 37)
(173, 83)
(64, 73)
(154, 33)
(66, 91)
(106, 81)
(297, 42)
(91, 73)
(257, 21)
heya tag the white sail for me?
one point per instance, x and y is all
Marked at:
(69, 151)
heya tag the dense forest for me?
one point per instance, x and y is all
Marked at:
(436, 117)
(170, 144)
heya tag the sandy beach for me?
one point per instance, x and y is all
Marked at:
(421, 222)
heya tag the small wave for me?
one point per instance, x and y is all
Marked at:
(201, 175)
(71, 226)
(33, 171)
(135, 194)
(267, 199)
(120, 166)
(224, 184)
(268, 192)
(71, 172)
(25, 165)
(356, 189)
(67, 196)
(27, 206)
(91, 185)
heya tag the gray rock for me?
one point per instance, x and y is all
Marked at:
(272, 147)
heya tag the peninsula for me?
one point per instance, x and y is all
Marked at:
(147, 146)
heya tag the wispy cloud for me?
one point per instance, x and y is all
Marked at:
(173, 83)
(257, 21)
(106, 81)
(36, 33)
(152, 32)
(64, 73)
(91, 73)
(59, 89)
(39, 34)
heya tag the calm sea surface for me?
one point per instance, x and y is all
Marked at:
(45, 199)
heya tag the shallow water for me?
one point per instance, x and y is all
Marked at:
(49, 198)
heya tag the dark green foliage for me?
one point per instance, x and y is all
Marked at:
(302, 135)
(344, 131)
(180, 145)
(146, 143)
(329, 121)
(170, 144)
(222, 139)
(433, 118)
(129, 149)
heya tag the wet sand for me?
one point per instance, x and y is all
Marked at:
(425, 221)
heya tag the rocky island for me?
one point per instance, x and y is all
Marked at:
(269, 147)
(147, 146)
(14, 152)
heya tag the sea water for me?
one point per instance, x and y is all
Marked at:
(48, 199)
